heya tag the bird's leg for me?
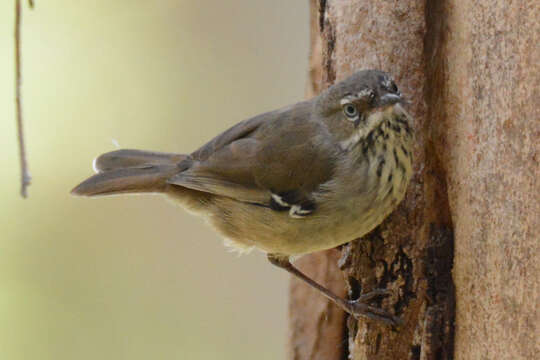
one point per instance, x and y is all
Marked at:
(356, 308)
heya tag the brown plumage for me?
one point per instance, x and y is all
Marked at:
(303, 178)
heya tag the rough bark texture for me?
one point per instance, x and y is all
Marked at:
(485, 83)
(470, 70)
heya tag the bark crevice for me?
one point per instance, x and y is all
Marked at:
(328, 35)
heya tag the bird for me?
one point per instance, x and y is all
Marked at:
(304, 178)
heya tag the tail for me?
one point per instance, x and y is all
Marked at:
(130, 171)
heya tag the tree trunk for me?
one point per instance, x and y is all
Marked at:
(470, 71)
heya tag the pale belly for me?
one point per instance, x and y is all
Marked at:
(336, 221)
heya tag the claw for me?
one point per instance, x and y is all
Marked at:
(373, 294)
(359, 308)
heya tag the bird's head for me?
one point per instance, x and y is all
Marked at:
(358, 101)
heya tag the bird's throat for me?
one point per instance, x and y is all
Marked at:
(377, 121)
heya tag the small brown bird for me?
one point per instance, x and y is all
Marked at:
(304, 178)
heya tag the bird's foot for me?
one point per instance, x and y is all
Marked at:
(360, 308)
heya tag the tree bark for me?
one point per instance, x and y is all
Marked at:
(470, 71)
(485, 83)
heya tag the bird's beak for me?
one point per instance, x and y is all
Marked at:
(390, 99)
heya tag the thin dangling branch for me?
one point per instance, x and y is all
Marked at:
(25, 176)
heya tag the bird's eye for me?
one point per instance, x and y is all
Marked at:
(350, 111)
(393, 87)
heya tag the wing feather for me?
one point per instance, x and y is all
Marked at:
(274, 153)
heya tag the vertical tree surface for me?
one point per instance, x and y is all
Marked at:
(485, 90)
(470, 71)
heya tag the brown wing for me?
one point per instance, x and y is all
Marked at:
(239, 131)
(227, 172)
(276, 153)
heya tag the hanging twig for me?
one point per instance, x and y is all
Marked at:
(25, 176)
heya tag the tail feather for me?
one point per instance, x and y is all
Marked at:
(127, 158)
(130, 171)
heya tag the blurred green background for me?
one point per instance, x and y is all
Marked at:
(135, 277)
